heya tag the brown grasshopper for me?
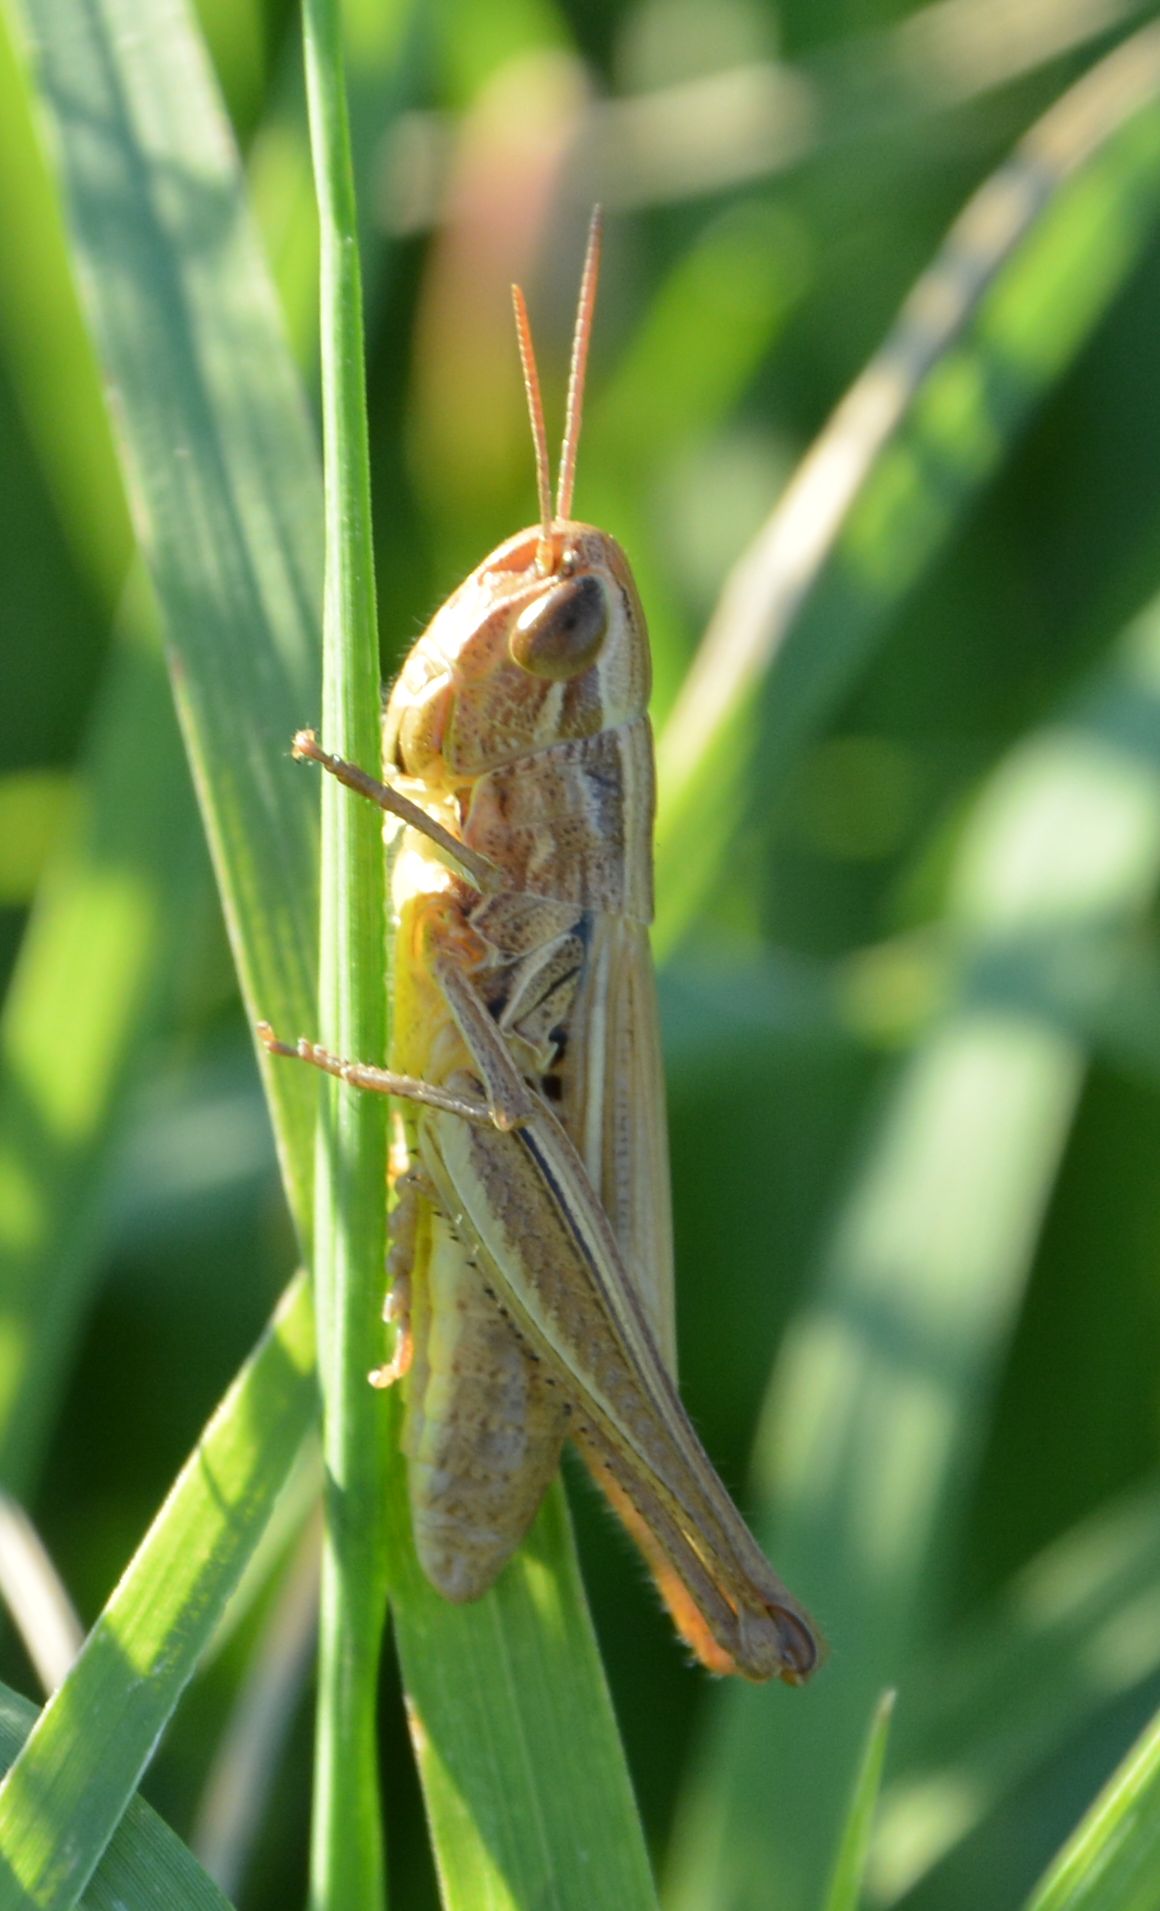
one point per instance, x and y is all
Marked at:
(531, 1265)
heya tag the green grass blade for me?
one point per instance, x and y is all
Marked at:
(350, 1212)
(875, 1415)
(1079, 1628)
(1022, 279)
(845, 1892)
(91, 981)
(145, 1866)
(1112, 1861)
(511, 1722)
(70, 1785)
(219, 462)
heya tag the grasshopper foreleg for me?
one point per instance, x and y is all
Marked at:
(382, 1081)
(506, 1101)
(478, 869)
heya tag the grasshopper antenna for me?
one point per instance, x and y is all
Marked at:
(539, 434)
(584, 312)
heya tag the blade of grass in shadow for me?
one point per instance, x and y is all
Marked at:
(350, 1208)
(223, 481)
(1112, 1860)
(145, 1867)
(845, 1892)
(1020, 282)
(879, 1400)
(1079, 1628)
(248, 1754)
(57, 1810)
(91, 979)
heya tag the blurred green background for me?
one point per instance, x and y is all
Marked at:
(910, 981)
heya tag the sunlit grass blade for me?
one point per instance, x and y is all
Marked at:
(69, 1787)
(145, 1866)
(351, 1157)
(278, 169)
(219, 461)
(1079, 1628)
(874, 1418)
(1112, 1860)
(845, 1892)
(1022, 279)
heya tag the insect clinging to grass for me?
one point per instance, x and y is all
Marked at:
(531, 1262)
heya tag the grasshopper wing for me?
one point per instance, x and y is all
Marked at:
(549, 1258)
(614, 1110)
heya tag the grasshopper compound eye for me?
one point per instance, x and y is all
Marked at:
(560, 634)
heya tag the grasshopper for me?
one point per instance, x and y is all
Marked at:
(531, 1263)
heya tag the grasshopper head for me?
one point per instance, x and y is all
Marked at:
(545, 642)
(533, 649)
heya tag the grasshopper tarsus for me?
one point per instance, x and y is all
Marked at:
(305, 748)
(304, 745)
(270, 1042)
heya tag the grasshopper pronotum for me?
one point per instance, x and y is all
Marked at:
(531, 1265)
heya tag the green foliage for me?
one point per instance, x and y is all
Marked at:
(145, 1866)
(845, 1893)
(908, 859)
(350, 1150)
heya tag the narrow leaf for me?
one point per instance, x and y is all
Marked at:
(845, 1893)
(84, 1758)
(146, 1867)
(350, 1160)
(1112, 1860)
